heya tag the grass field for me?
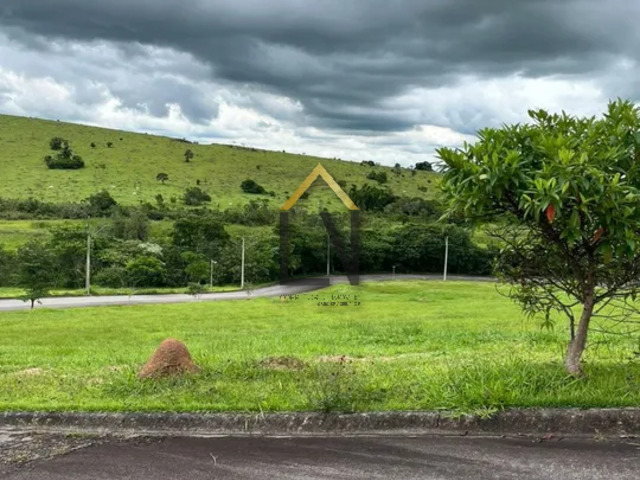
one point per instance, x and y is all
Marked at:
(409, 345)
(128, 169)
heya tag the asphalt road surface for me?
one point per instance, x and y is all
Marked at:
(370, 458)
(271, 291)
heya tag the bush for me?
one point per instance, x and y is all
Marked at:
(371, 198)
(61, 162)
(194, 196)
(56, 143)
(251, 186)
(380, 177)
(146, 271)
(101, 203)
(424, 166)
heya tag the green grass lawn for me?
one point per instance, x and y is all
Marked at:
(409, 345)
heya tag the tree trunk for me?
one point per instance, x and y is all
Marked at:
(577, 345)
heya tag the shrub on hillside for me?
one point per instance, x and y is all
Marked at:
(424, 166)
(56, 143)
(251, 186)
(380, 177)
(196, 196)
(101, 203)
(61, 162)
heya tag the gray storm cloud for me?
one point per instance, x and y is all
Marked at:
(354, 67)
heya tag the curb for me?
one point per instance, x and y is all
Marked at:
(609, 422)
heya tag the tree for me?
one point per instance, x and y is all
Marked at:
(162, 177)
(109, 144)
(101, 203)
(380, 177)
(565, 193)
(371, 198)
(147, 271)
(195, 196)
(188, 155)
(200, 233)
(36, 271)
(424, 166)
(56, 143)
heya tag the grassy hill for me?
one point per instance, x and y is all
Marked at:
(128, 169)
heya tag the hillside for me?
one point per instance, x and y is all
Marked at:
(128, 169)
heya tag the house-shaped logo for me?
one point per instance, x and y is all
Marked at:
(349, 262)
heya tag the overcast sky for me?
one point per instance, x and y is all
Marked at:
(387, 80)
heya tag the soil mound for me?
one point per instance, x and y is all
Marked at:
(171, 358)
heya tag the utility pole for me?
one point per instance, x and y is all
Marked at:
(328, 254)
(87, 274)
(87, 278)
(446, 257)
(242, 267)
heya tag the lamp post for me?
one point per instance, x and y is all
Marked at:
(242, 267)
(213, 262)
(446, 258)
(87, 277)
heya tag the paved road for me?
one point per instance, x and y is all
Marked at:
(370, 458)
(272, 291)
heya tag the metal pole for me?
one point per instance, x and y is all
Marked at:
(87, 278)
(446, 257)
(211, 275)
(88, 266)
(328, 255)
(242, 269)
(394, 271)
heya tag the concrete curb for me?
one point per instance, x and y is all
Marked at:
(608, 422)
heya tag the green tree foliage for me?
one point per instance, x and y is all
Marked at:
(188, 155)
(201, 232)
(251, 186)
(424, 166)
(162, 177)
(380, 177)
(146, 270)
(36, 271)
(371, 198)
(65, 160)
(56, 143)
(68, 245)
(101, 204)
(195, 196)
(565, 191)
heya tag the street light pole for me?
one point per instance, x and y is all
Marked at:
(328, 255)
(242, 267)
(446, 257)
(87, 278)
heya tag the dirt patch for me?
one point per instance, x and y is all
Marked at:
(29, 372)
(338, 359)
(380, 358)
(171, 358)
(282, 363)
